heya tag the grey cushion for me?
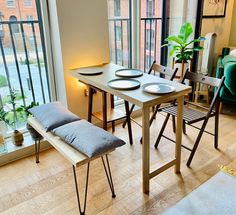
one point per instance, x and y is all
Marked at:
(53, 115)
(87, 138)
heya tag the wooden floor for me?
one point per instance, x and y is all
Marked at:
(48, 187)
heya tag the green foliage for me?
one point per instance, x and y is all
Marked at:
(24, 110)
(180, 44)
(7, 99)
(3, 81)
(12, 116)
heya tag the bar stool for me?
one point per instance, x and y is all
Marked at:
(109, 115)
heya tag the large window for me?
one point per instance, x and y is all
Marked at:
(23, 68)
(154, 28)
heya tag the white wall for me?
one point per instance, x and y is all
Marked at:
(79, 34)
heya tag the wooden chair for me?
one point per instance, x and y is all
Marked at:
(162, 71)
(193, 113)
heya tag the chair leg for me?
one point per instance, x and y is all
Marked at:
(128, 122)
(216, 124)
(173, 124)
(130, 111)
(154, 114)
(113, 126)
(37, 149)
(152, 119)
(108, 174)
(82, 212)
(162, 130)
(221, 108)
(104, 109)
(184, 127)
(197, 142)
(90, 104)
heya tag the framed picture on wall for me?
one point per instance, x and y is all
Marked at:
(214, 8)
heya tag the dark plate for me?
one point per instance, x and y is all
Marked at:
(129, 73)
(124, 84)
(90, 71)
(158, 88)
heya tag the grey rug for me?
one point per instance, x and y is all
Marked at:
(217, 196)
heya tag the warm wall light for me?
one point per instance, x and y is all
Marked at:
(81, 84)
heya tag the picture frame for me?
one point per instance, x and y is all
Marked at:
(214, 8)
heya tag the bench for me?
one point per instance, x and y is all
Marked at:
(75, 157)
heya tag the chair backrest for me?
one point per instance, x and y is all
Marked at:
(162, 70)
(210, 81)
(196, 77)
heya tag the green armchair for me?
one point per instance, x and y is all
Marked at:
(226, 65)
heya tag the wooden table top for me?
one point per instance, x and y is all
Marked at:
(138, 96)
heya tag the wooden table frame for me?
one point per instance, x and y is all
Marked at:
(145, 101)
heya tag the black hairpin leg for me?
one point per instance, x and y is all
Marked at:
(37, 149)
(85, 192)
(108, 174)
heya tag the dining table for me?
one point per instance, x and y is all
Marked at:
(145, 101)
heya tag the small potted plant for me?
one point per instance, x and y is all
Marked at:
(182, 47)
(24, 111)
(10, 118)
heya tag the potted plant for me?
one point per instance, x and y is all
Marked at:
(24, 111)
(182, 47)
(10, 118)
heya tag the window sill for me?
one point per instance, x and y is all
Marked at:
(13, 153)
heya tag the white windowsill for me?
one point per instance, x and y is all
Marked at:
(14, 153)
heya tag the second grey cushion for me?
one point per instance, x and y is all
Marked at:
(87, 138)
(53, 115)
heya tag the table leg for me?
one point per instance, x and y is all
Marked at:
(145, 149)
(180, 102)
(104, 110)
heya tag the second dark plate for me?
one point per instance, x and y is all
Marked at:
(129, 73)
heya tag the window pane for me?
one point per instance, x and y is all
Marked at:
(10, 3)
(22, 60)
(119, 30)
(27, 3)
(150, 32)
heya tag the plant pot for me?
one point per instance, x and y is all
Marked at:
(34, 134)
(17, 138)
(182, 67)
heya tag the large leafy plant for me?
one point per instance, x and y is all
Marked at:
(181, 45)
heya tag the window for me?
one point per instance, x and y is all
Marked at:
(119, 55)
(14, 26)
(150, 10)
(29, 18)
(150, 39)
(117, 7)
(27, 3)
(27, 75)
(10, 3)
(118, 33)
